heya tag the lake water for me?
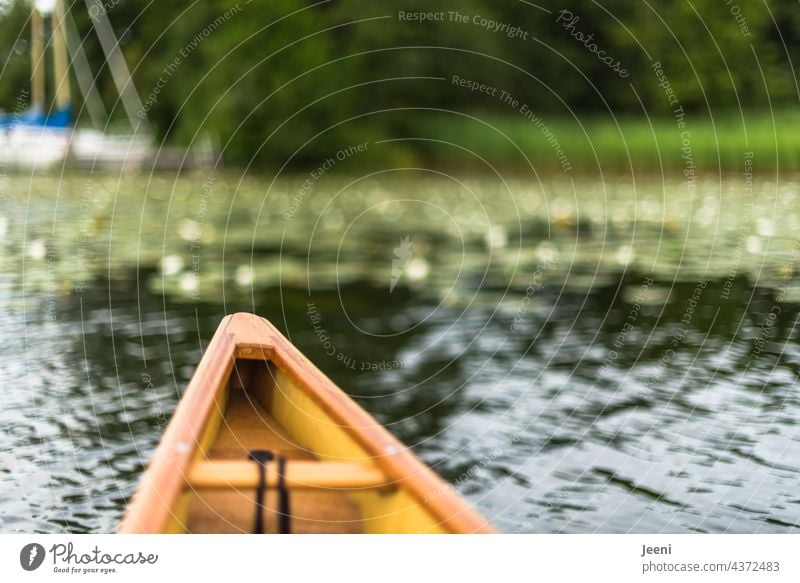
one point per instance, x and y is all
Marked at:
(585, 355)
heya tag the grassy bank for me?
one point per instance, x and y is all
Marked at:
(624, 141)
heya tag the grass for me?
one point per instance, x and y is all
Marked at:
(624, 141)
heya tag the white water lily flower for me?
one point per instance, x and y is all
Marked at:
(171, 264)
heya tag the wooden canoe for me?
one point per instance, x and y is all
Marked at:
(329, 467)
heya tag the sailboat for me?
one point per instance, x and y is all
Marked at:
(35, 137)
(40, 137)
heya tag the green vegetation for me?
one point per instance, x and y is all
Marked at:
(293, 82)
(625, 140)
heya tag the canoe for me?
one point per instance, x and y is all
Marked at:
(263, 442)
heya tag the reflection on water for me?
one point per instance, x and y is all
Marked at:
(575, 357)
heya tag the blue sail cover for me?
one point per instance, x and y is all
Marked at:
(35, 118)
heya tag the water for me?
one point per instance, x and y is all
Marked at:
(574, 356)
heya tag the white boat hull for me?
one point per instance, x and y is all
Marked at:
(43, 148)
(34, 147)
(94, 148)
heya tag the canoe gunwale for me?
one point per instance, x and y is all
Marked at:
(245, 336)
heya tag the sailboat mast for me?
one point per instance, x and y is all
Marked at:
(116, 64)
(60, 62)
(37, 60)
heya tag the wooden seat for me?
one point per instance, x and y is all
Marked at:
(222, 486)
(299, 475)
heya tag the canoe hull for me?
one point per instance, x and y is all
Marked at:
(254, 390)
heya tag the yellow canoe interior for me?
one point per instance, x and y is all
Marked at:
(344, 473)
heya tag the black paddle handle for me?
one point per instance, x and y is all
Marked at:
(284, 512)
(261, 457)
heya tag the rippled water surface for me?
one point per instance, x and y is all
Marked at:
(574, 356)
